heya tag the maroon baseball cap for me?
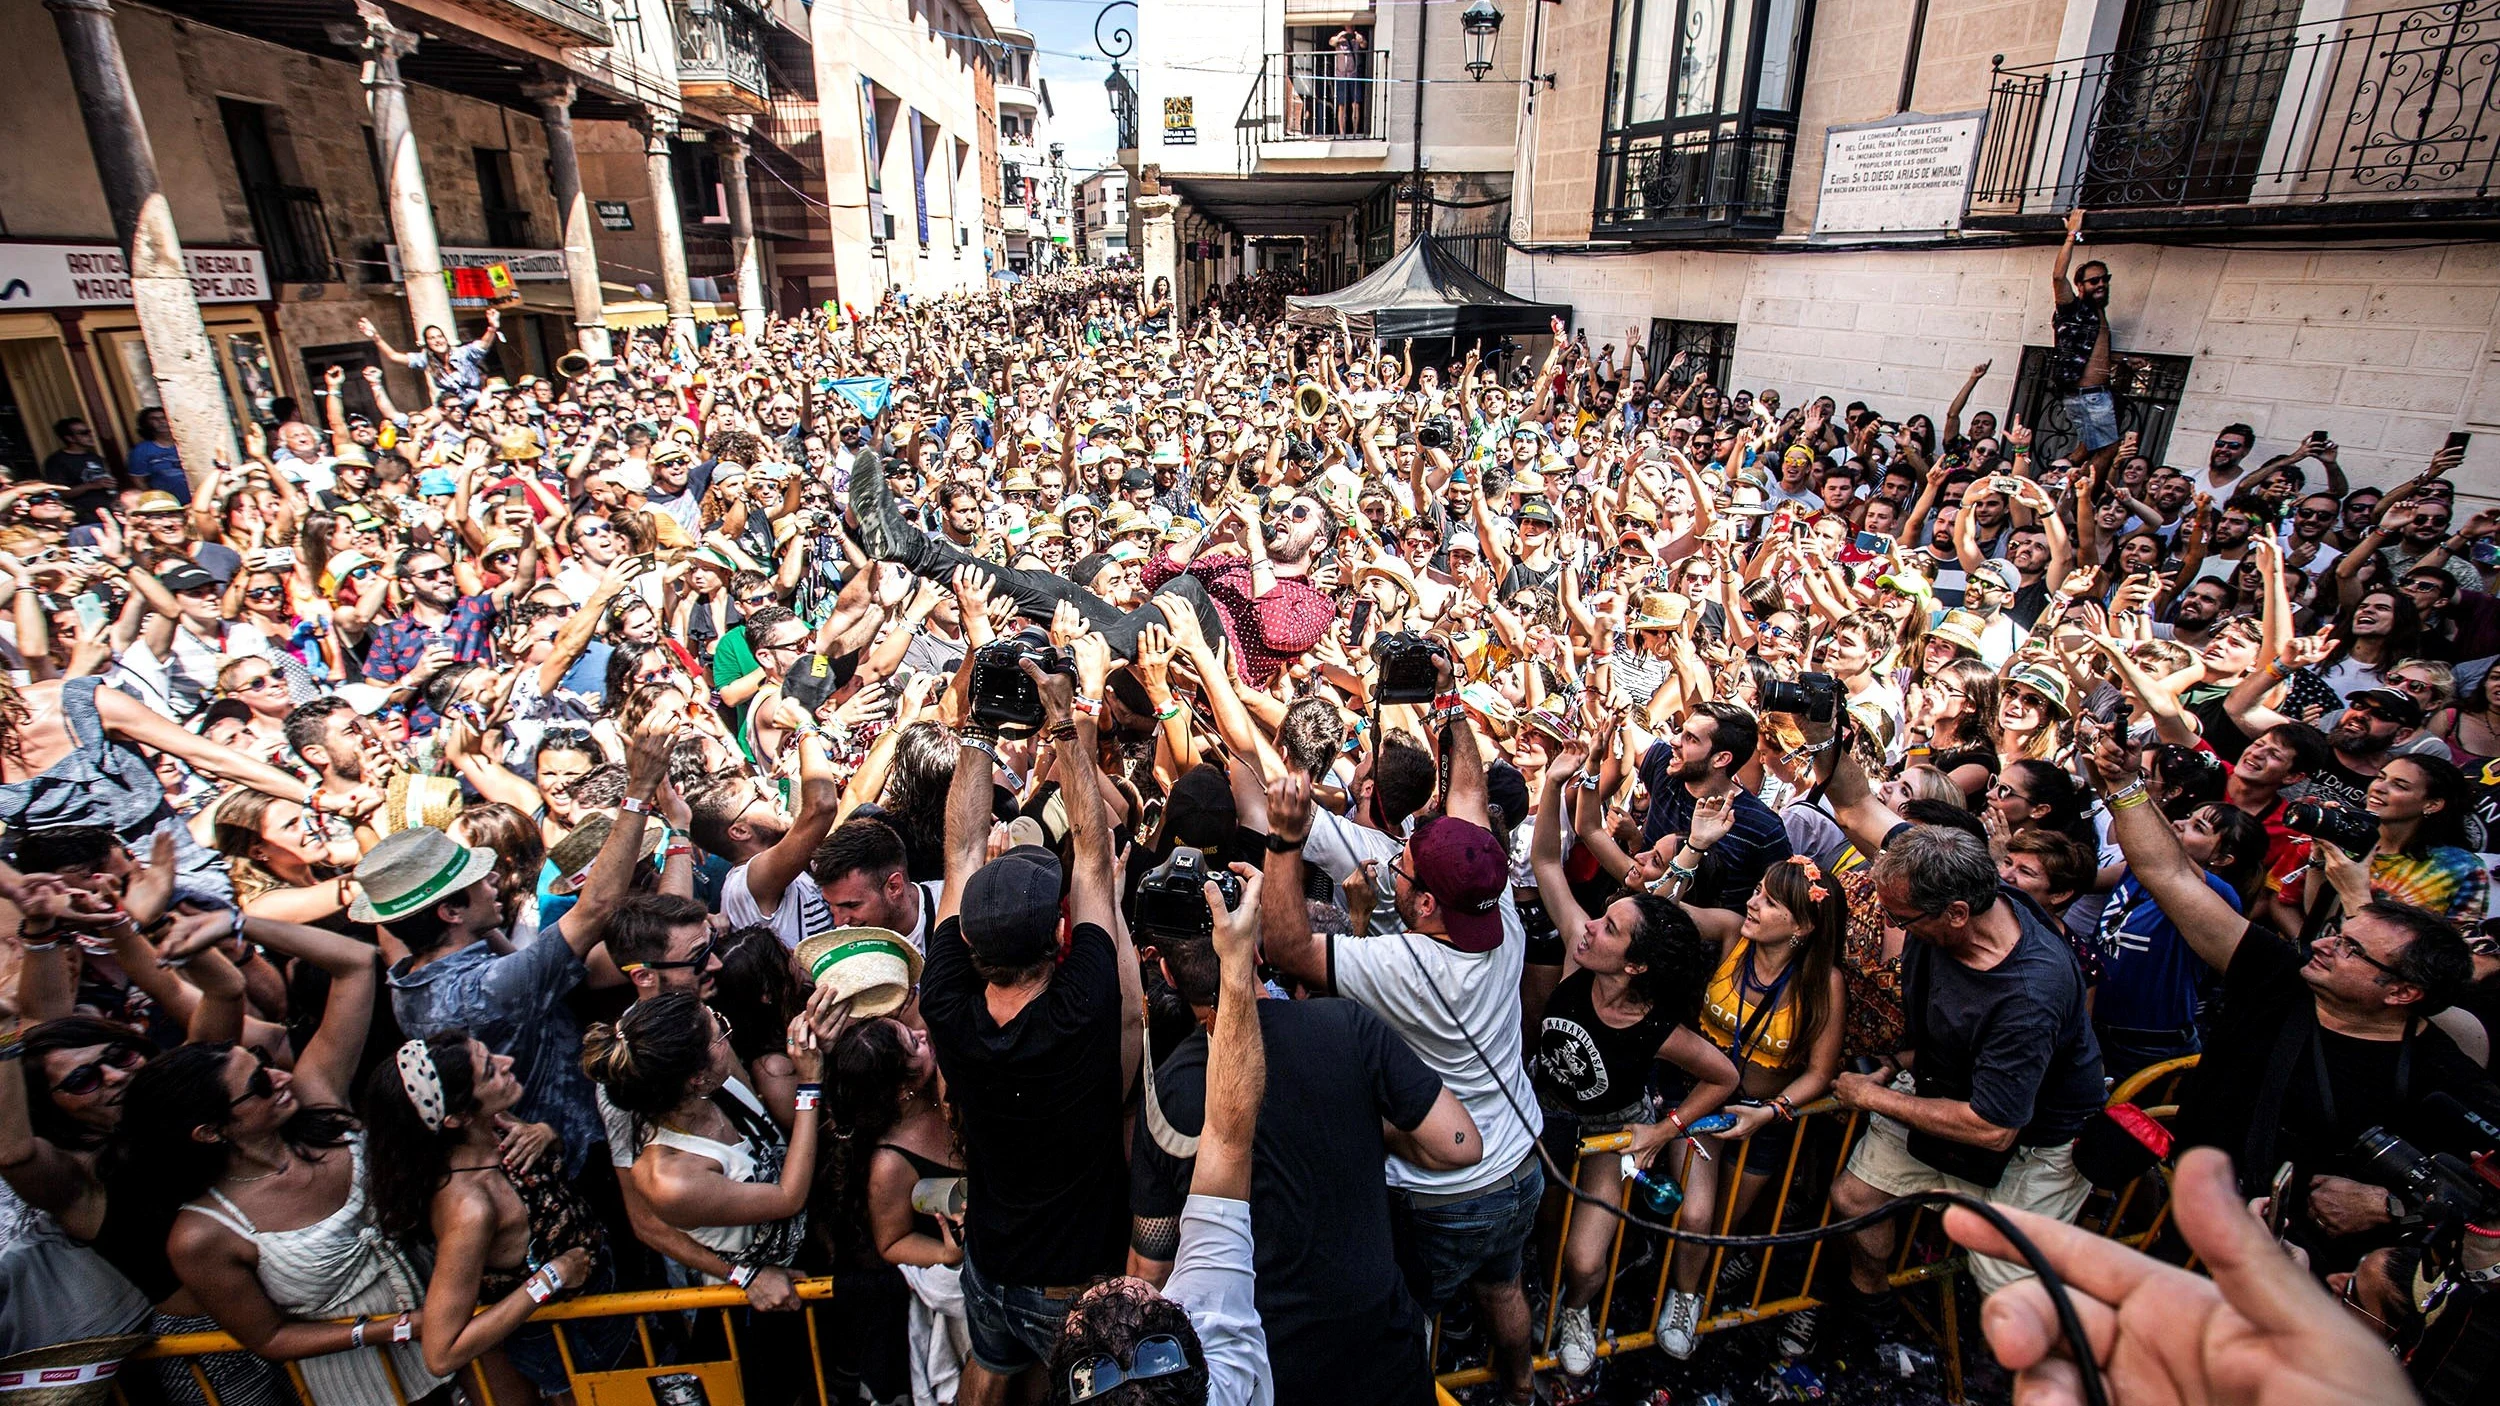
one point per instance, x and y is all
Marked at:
(1463, 867)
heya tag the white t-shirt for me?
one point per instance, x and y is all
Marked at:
(801, 915)
(1214, 1282)
(1338, 846)
(1412, 982)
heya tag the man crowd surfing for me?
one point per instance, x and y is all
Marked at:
(1137, 846)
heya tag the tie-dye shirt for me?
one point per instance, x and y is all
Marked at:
(2443, 879)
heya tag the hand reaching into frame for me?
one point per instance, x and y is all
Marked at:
(2259, 1331)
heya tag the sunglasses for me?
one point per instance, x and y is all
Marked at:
(1158, 1356)
(258, 1086)
(89, 1077)
(265, 593)
(701, 956)
(429, 574)
(254, 684)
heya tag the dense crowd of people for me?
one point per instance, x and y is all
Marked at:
(1140, 843)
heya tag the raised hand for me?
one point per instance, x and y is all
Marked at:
(2309, 651)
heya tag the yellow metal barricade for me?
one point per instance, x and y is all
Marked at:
(653, 1383)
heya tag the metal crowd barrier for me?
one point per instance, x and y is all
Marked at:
(2137, 1214)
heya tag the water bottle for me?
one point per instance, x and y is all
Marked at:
(1652, 1191)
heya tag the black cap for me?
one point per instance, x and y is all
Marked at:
(185, 577)
(809, 681)
(1136, 478)
(1011, 908)
(2397, 707)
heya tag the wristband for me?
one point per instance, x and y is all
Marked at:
(540, 1290)
(53, 946)
(2129, 796)
(634, 806)
(742, 1275)
(1082, 706)
(403, 1328)
(1276, 845)
(356, 1335)
(1678, 1120)
(809, 1095)
(2278, 669)
(1062, 731)
(1589, 781)
(1166, 714)
(1446, 703)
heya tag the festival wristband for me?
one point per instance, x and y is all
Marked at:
(2131, 795)
(634, 805)
(403, 1328)
(1166, 714)
(743, 1275)
(356, 1335)
(540, 1286)
(809, 1095)
(1275, 845)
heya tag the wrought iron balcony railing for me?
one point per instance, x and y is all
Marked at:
(720, 55)
(571, 23)
(2398, 106)
(1702, 183)
(294, 231)
(1319, 97)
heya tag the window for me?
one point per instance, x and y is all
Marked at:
(1701, 116)
(288, 221)
(1705, 346)
(507, 220)
(2148, 390)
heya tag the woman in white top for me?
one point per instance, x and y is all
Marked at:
(276, 1237)
(714, 1168)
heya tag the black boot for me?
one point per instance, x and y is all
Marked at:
(883, 533)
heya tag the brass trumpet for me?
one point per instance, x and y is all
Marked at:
(572, 364)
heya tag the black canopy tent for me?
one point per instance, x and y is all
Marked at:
(1425, 293)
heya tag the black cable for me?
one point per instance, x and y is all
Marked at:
(2087, 1371)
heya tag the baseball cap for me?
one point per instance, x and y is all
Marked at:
(2397, 707)
(186, 577)
(2005, 573)
(1463, 867)
(1011, 908)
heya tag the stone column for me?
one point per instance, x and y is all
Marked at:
(412, 211)
(746, 255)
(657, 128)
(1157, 252)
(187, 380)
(554, 93)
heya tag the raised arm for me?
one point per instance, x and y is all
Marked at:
(1236, 1052)
(2212, 927)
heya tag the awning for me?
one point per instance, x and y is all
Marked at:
(1425, 291)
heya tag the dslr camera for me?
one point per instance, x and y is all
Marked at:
(1814, 697)
(2355, 830)
(1003, 696)
(1437, 432)
(1172, 898)
(1408, 669)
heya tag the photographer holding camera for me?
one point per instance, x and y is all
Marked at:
(2313, 1047)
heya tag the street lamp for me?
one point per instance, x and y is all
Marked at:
(1482, 22)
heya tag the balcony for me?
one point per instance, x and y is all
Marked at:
(2389, 119)
(1301, 109)
(294, 233)
(574, 24)
(1712, 182)
(720, 56)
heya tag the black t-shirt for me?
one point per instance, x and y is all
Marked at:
(2028, 603)
(2338, 784)
(1340, 1325)
(2015, 1041)
(1039, 1102)
(2227, 1102)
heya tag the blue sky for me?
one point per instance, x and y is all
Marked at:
(1081, 110)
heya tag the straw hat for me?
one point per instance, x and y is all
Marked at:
(1959, 628)
(872, 970)
(2048, 683)
(573, 854)
(76, 1373)
(1123, 518)
(157, 500)
(1394, 571)
(518, 444)
(1019, 481)
(412, 869)
(340, 566)
(412, 801)
(1660, 610)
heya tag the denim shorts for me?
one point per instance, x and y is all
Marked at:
(1012, 1326)
(2094, 414)
(1481, 1240)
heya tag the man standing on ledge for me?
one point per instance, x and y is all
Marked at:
(2080, 361)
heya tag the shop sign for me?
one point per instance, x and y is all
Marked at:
(524, 265)
(1180, 121)
(94, 276)
(614, 214)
